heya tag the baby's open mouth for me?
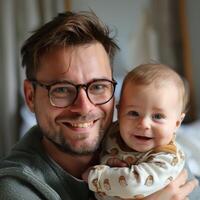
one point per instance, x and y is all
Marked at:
(143, 137)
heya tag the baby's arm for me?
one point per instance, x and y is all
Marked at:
(178, 189)
(138, 180)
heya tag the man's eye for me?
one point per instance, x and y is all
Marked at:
(133, 113)
(62, 92)
(158, 116)
(98, 88)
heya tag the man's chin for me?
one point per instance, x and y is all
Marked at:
(82, 149)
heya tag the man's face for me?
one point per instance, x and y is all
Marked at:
(78, 128)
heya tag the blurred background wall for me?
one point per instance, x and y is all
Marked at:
(166, 31)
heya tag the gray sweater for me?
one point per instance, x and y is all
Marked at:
(29, 174)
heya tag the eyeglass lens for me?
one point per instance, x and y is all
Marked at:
(98, 92)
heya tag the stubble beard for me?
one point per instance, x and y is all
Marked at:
(63, 145)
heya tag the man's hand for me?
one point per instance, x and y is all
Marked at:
(178, 189)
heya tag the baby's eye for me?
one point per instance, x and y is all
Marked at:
(158, 116)
(133, 113)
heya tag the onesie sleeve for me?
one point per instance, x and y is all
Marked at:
(148, 175)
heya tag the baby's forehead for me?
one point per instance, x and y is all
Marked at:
(165, 83)
(157, 86)
(167, 87)
(156, 83)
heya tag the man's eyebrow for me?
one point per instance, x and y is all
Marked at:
(72, 82)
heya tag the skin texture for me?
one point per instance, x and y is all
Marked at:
(148, 115)
(79, 128)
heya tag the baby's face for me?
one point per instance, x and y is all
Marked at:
(149, 115)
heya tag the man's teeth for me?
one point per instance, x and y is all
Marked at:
(82, 125)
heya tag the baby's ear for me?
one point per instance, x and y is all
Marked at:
(182, 116)
(179, 121)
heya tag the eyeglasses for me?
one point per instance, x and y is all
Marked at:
(63, 94)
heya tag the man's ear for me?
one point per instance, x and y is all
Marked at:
(29, 94)
(179, 121)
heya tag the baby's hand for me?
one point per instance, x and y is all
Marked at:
(85, 174)
(115, 162)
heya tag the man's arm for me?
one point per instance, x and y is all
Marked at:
(195, 194)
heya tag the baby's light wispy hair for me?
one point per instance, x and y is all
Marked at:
(159, 74)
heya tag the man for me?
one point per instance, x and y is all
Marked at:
(70, 89)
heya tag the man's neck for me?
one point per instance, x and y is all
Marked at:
(75, 165)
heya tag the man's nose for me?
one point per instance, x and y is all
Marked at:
(144, 123)
(82, 104)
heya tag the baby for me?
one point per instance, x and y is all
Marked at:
(152, 106)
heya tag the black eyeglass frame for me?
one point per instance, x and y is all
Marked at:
(77, 86)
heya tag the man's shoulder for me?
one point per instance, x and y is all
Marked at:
(23, 169)
(27, 152)
(15, 189)
(16, 173)
(12, 188)
(23, 182)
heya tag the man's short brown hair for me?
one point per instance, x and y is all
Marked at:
(66, 30)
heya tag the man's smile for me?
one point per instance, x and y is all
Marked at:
(82, 125)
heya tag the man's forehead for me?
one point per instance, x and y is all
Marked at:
(90, 59)
(67, 53)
